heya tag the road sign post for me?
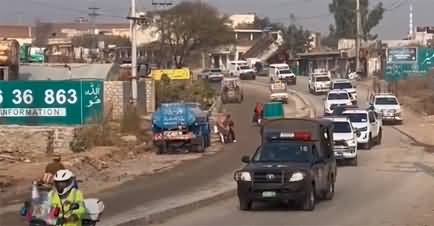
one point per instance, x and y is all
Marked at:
(51, 102)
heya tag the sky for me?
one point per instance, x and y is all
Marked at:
(312, 14)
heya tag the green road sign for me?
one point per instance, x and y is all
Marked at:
(405, 62)
(51, 102)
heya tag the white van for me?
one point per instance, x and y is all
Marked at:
(282, 72)
(241, 69)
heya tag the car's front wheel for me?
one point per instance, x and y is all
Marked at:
(245, 205)
(308, 204)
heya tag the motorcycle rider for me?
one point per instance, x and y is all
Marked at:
(258, 112)
(68, 199)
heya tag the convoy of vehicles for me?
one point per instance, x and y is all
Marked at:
(345, 139)
(347, 85)
(281, 72)
(181, 125)
(295, 162)
(319, 82)
(336, 98)
(9, 59)
(241, 69)
(388, 106)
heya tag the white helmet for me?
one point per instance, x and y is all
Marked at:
(63, 181)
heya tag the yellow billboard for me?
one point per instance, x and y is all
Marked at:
(173, 74)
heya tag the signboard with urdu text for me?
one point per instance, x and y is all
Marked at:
(72, 102)
(402, 63)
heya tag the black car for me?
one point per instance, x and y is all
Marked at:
(295, 162)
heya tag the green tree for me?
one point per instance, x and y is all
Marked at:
(297, 39)
(192, 26)
(345, 19)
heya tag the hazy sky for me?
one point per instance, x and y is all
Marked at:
(312, 14)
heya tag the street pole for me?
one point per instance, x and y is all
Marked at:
(133, 54)
(358, 36)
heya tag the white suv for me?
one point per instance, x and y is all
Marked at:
(368, 124)
(388, 106)
(345, 139)
(336, 98)
(346, 85)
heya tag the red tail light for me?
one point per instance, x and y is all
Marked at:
(306, 136)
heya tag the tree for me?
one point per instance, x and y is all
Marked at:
(345, 19)
(43, 31)
(297, 39)
(192, 26)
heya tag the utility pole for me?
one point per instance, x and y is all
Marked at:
(133, 30)
(93, 14)
(358, 36)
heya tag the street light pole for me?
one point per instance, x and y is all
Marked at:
(358, 36)
(133, 53)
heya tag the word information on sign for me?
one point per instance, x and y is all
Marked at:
(50, 102)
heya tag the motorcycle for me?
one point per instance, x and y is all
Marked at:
(39, 212)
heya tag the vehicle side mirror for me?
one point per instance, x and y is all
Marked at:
(245, 159)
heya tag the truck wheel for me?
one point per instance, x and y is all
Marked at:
(354, 161)
(308, 204)
(379, 137)
(245, 205)
(330, 192)
(368, 145)
(200, 148)
(162, 149)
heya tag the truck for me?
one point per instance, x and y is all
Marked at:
(241, 69)
(179, 125)
(9, 59)
(282, 72)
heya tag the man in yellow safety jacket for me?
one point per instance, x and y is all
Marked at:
(67, 199)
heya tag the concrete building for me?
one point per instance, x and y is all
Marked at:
(22, 33)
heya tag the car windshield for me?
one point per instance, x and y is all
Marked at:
(244, 67)
(216, 70)
(284, 152)
(357, 117)
(342, 127)
(322, 79)
(342, 85)
(285, 72)
(386, 101)
(337, 96)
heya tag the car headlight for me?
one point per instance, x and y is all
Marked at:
(242, 176)
(351, 142)
(297, 176)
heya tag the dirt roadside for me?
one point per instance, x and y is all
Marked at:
(97, 169)
(416, 107)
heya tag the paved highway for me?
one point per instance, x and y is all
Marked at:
(393, 185)
(189, 175)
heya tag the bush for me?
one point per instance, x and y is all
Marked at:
(189, 91)
(101, 134)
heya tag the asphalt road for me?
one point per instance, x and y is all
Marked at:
(393, 185)
(189, 175)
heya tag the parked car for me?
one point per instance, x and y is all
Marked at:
(213, 74)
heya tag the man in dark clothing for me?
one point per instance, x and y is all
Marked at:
(228, 123)
(52, 168)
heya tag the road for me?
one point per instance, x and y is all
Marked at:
(189, 175)
(393, 185)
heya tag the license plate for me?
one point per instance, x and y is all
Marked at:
(173, 133)
(268, 194)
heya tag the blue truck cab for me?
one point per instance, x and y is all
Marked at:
(181, 125)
